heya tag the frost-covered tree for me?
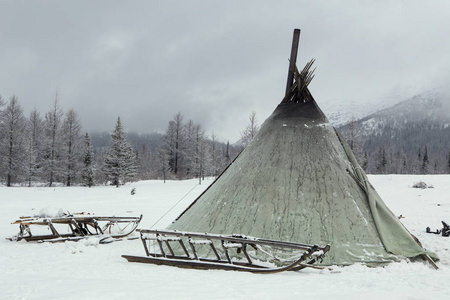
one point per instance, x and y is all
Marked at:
(216, 157)
(87, 173)
(416, 166)
(382, 160)
(174, 143)
(35, 127)
(2, 103)
(198, 153)
(252, 129)
(120, 160)
(71, 145)
(396, 162)
(227, 155)
(163, 165)
(190, 148)
(194, 147)
(146, 162)
(448, 163)
(202, 157)
(12, 149)
(53, 143)
(353, 138)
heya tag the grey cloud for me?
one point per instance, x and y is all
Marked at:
(215, 62)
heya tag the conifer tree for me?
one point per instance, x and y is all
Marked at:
(120, 160)
(382, 160)
(425, 162)
(88, 170)
(448, 163)
(404, 166)
(12, 147)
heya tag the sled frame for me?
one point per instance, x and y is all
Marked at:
(79, 226)
(162, 241)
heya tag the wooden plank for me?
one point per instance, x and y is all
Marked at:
(292, 60)
(215, 265)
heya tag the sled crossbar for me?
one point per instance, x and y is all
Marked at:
(79, 226)
(227, 252)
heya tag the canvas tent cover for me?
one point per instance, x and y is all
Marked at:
(292, 183)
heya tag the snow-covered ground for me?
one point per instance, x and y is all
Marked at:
(85, 270)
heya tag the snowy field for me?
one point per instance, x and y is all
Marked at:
(84, 270)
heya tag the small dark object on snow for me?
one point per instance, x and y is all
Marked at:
(133, 191)
(445, 230)
(420, 185)
(435, 232)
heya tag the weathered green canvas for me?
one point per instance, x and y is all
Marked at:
(292, 183)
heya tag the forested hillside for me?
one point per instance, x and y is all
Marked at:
(412, 137)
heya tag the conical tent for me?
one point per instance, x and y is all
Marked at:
(298, 181)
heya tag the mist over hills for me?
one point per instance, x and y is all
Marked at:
(414, 135)
(411, 136)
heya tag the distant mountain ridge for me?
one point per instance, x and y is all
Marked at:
(406, 131)
(340, 113)
(431, 106)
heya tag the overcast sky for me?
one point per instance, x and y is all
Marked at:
(214, 61)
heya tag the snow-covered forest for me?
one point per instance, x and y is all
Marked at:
(411, 137)
(53, 149)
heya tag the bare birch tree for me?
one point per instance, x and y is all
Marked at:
(252, 129)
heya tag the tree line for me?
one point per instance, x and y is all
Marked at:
(38, 148)
(52, 149)
(420, 147)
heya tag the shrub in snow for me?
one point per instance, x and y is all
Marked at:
(422, 185)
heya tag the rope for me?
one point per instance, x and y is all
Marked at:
(174, 206)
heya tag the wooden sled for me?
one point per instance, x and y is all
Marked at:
(171, 249)
(75, 227)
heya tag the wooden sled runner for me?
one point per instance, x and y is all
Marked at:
(236, 252)
(75, 227)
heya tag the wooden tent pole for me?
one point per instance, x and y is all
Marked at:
(292, 60)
